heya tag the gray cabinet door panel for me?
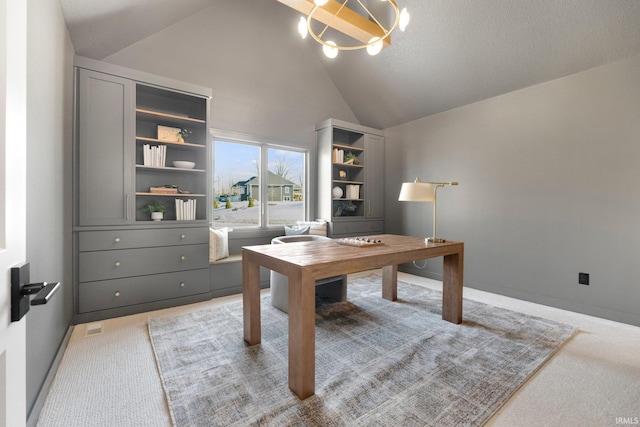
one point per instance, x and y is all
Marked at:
(105, 137)
(374, 176)
(107, 294)
(128, 239)
(102, 265)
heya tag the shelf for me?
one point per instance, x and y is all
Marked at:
(348, 200)
(168, 169)
(178, 144)
(348, 147)
(338, 181)
(347, 165)
(158, 114)
(139, 193)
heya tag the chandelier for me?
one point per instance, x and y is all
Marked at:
(363, 26)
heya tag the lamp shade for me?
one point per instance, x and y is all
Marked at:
(417, 192)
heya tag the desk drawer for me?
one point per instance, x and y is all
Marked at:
(128, 239)
(103, 265)
(107, 294)
(354, 228)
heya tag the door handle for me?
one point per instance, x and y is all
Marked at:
(21, 291)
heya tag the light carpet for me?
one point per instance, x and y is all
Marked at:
(377, 362)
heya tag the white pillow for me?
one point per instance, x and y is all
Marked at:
(218, 243)
(316, 228)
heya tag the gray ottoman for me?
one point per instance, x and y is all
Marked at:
(331, 287)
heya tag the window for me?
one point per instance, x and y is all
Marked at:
(246, 194)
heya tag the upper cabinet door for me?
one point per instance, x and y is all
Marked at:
(374, 175)
(105, 135)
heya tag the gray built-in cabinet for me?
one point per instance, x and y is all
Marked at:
(350, 178)
(124, 262)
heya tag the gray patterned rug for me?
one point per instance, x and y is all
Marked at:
(377, 362)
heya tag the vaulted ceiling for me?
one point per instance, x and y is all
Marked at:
(453, 53)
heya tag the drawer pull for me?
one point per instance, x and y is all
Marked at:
(117, 294)
(183, 236)
(182, 258)
(182, 284)
(117, 240)
(117, 263)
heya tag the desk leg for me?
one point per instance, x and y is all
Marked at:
(452, 288)
(302, 334)
(390, 282)
(251, 300)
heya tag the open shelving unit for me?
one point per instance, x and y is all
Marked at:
(161, 107)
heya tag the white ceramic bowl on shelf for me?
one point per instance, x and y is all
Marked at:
(183, 164)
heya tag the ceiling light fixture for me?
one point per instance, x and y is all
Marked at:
(364, 29)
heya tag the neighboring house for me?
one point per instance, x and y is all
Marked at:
(279, 189)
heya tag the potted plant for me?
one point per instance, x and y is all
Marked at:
(350, 158)
(155, 209)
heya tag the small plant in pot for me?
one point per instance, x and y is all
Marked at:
(155, 209)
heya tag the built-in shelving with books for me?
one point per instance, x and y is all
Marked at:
(170, 126)
(350, 177)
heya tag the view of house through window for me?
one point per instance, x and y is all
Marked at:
(247, 195)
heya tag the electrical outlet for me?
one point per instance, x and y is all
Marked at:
(583, 278)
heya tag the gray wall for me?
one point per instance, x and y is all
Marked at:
(49, 118)
(548, 188)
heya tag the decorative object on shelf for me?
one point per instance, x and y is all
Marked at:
(343, 175)
(183, 134)
(364, 24)
(345, 208)
(169, 134)
(336, 192)
(183, 164)
(351, 159)
(418, 191)
(155, 209)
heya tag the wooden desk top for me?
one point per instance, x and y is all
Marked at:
(329, 258)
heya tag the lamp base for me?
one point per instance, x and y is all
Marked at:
(434, 240)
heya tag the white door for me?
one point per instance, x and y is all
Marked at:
(13, 147)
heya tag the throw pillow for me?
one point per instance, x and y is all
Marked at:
(218, 243)
(295, 230)
(316, 228)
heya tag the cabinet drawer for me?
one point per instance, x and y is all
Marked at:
(102, 265)
(127, 239)
(106, 294)
(356, 227)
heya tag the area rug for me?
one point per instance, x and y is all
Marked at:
(378, 362)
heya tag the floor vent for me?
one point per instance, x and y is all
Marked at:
(94, 328)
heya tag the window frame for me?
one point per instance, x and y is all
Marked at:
(263, 144)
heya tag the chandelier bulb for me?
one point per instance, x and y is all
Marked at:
(375, 46)
(329, 50)
(320, 2)
(404, 19)
(302, 27)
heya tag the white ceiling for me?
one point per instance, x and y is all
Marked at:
(453, 53)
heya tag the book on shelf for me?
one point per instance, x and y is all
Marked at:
(163, 190)
(185, 209)
(338, 155)
(154, 155)
(352, 191)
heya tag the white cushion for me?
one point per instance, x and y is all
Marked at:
(316, 228)
(218, 243)
(295, 230)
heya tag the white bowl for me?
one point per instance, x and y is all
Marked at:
(183, 164)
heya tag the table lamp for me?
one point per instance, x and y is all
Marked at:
(418, 191)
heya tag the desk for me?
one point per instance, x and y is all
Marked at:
(305, 262)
